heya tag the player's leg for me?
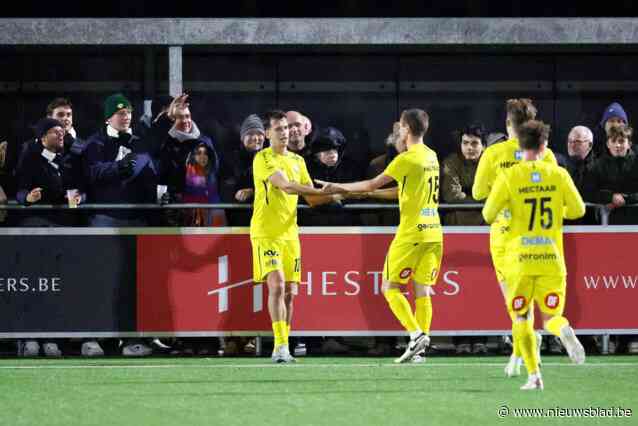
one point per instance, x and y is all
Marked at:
(267, 266)
(520, 296)
(397, 271)
(292, 271)
(550, 297)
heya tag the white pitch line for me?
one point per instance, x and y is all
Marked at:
(67, 367)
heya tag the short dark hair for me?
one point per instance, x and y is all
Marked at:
(417, 121)
(519, 111)
(532, 134)
(56, 103)
(620, 131)
(475, 129)
(275, 114)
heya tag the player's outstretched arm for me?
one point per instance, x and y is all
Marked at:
(383, 194)
(361, 186)
(280, 181)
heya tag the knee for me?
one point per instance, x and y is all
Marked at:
(276, 288)
(289, 296)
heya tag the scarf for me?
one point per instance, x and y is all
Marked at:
(183, 136)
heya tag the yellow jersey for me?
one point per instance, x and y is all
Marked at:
(274, 211)
(538, 195)
(417, 174)
(494, 161)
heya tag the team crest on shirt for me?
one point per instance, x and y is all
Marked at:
(518, 155)
(552, 300)
(518, 303)
(405, 273)
(536, 177)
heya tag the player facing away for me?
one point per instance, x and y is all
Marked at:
(417, 248)
(279, 177)
(538, 195)
(495, 161)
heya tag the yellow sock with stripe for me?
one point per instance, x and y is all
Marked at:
(279, 330)
(555, 325)
(401, 309)
(424, 313)
(516, 349)
(524, 333)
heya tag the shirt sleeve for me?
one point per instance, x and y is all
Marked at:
(304, 177)
(574, 204)
(497, 200)
(550, 157)
(394, 169)
(484, 176)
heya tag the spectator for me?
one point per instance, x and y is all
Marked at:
(236, 175)
(4, 178)
(459, 169)
(329, 165)
(41, 176)
(202, 166)
(118, 167)
(300, 129)
(181, 138)
(580, 156)
(613, 179)
(3, 200)
(614, 114)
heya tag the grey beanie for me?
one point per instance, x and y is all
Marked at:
(252, 122)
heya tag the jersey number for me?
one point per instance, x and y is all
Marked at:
(546, 214)
(433, 184)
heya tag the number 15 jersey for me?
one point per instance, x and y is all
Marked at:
(417, 174)
(539, 195)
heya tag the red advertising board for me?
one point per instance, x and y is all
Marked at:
(202, 283)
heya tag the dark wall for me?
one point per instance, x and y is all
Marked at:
(362, 94)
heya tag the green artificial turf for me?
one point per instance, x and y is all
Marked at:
(316, 391)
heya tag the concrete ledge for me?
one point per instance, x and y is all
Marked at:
(323, 32)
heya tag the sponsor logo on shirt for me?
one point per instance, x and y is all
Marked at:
(536, 241)
(518, 155)
(536, 177)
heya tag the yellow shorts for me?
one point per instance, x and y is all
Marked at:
(276, 255)
(548, 291)
(420, 261)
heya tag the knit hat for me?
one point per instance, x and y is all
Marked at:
(44, 125)
(614, 110)
(252, 122)
(114, 103)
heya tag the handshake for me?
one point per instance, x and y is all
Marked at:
(126, 166)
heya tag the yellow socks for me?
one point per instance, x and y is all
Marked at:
(401, 309)
(524, 333)
(555, 324)
(280, 329)
(424, 313)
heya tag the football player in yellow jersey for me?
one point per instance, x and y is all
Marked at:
(495, 160)
(279, 177)
(538, 195)
(417, 248)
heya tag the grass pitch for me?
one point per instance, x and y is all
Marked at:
(316, 391)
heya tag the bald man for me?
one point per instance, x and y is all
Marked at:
(580, 155)
(300, 127)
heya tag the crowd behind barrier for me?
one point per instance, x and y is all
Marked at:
(162, 170)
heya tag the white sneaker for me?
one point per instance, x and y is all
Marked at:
(136, 349)
(92, 348)
(575, 350)
(418, 358)
(513, 367)
(534, 382)
(51, 350)
(30, 348)
(415, 346)
(281, 355)
(539, 343)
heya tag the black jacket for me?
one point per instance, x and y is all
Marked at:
(610, 175)
(105, 185)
